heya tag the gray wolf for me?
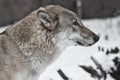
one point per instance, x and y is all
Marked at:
(33, 43)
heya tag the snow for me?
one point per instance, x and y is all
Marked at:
(2, 29)
(72, 57)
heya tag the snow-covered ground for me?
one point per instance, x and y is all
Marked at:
(2, 29)
(74, 57)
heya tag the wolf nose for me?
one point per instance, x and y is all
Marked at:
(96, 38)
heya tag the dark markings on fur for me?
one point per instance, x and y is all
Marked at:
(3, 54)
(4, 47)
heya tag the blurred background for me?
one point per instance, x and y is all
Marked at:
(98, 62)
(14, 10)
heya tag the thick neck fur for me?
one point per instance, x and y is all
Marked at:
(32, 38)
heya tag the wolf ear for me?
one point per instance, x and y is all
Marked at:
(49, 20)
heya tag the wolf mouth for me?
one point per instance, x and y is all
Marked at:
(79, 43)
(82, 44)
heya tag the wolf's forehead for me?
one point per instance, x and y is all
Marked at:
(53, 8)
(69, 14)
(59, 10)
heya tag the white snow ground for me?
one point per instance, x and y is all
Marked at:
(72, 57)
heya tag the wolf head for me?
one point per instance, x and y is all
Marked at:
(67, 27)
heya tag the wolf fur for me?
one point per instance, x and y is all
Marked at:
(33, 43)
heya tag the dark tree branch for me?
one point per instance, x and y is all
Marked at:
(62, 74)
(92, 71)
(103, 73)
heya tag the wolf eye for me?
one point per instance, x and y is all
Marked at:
(75, 23)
